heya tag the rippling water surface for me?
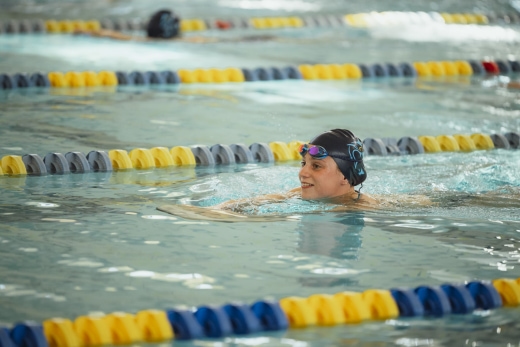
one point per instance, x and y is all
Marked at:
(93, 242)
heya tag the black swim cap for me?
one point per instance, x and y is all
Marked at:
(164, 24)
(344, 143)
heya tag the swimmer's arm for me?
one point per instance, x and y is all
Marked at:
(112, 34)
(209, 214)
(418, 200)
(198, 39)
(257, 201)
(202, 39)
(389, 201)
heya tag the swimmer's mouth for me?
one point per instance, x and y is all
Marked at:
(307, 185)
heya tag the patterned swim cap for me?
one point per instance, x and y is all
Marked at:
(343, 143)
(163, 24)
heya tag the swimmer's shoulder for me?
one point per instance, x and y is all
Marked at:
(369, 200)
(404, 200)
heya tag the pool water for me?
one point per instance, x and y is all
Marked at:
(82, 243)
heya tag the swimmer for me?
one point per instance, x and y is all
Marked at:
(166, 25)
(331, 169)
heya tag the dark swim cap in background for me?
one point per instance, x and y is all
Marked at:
(164, 24)
(344, 143)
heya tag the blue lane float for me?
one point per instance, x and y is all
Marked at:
(366, 71)
(503, 66)
(7, 82)
(185, 325)
(408, 302)
(263, 74)
(5, 339)
(434, 300)
(39, 79)
(243, 320)
(408, 70)
(278, 74)
(123, 79)
(485, 295)
(379, 70)
(460, 298)
(271, 316)
(138, 78)
(393, 71)
(23, 80)
(477, 67)
(28, 334)
(293, 73)
(154, 77)
(515, 66)
(249, 75)
(170, 77)
(14, 26)
(214, 321)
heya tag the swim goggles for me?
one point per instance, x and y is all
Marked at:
(318, 152)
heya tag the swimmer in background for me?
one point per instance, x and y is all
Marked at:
(331, 169)
(166, 25)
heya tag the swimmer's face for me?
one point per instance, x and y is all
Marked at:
(321, 179)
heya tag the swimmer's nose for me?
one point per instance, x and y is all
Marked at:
(303, 172)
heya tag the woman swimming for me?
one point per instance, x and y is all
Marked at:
(166, 25)
(332, 166)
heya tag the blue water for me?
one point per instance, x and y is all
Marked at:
(83, 243)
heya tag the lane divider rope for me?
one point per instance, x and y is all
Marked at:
(75, 79)
(221, 154)
(212, 321)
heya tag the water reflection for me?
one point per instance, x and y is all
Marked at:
(338, 238)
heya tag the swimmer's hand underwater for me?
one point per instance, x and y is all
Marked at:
(216, 215)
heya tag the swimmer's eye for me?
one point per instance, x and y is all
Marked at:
(315, 166)
(302, 163)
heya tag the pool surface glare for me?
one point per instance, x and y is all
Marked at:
(93, 243)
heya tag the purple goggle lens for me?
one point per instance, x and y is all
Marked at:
(315, 151)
